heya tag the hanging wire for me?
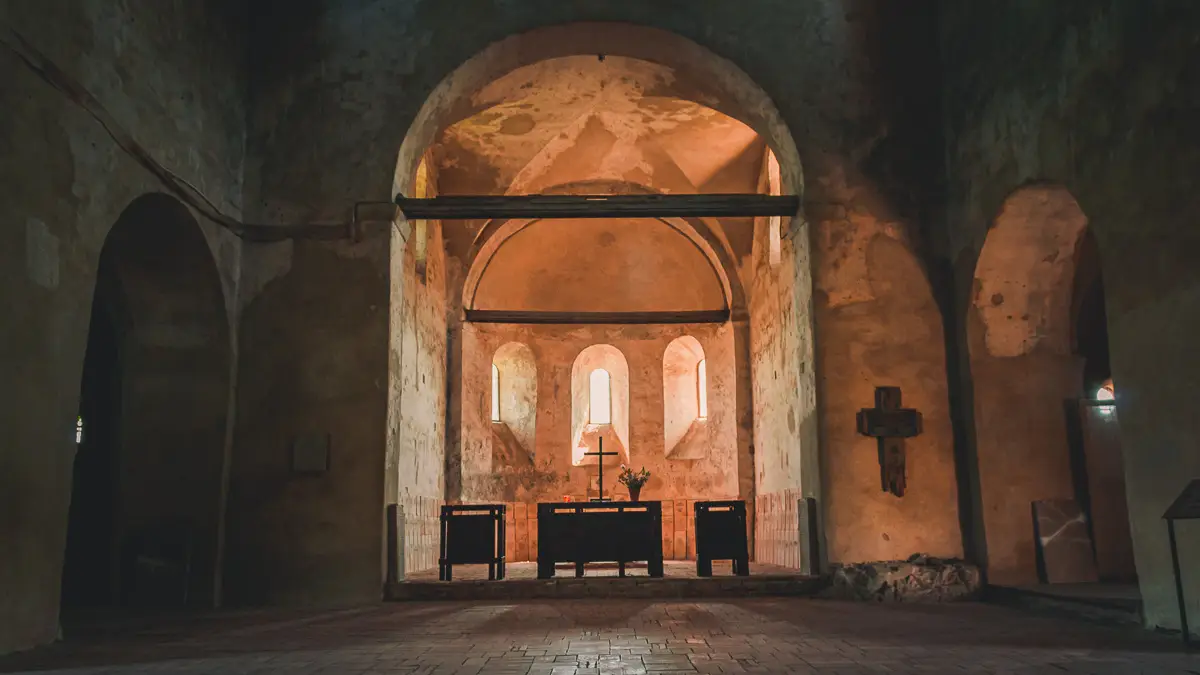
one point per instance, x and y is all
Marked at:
(180, 187)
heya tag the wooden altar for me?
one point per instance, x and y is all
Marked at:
(587, 532)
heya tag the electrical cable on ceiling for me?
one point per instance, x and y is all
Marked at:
(176, 184)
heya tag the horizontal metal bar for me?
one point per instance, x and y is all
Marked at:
(575, 318)
(482, 207)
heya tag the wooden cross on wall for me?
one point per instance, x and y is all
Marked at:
(600, 454)
(890, 424)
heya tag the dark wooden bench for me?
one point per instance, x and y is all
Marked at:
(472, 534)
(721, 535)
(589, 532)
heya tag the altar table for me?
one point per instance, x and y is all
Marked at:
(586, 532)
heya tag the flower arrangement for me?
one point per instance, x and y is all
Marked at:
(631, 479)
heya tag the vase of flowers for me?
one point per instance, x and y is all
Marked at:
(633, 480)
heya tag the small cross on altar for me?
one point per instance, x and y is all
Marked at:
(890, 424)
(600, 454)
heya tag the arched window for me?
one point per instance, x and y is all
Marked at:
(685, 399)
(599, 405)
(600, 397)
(495, 393)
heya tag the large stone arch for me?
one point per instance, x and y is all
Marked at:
(150, 472)
(695, 74)
(1019, 333)
(700, 75)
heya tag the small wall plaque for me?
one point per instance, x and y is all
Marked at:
(310, 454)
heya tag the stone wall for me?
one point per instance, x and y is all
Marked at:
(417, 385)
(552, 473)
(171, 74)
(777, 529)
(1098, 98)
(314, 363)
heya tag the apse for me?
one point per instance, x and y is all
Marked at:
(599, 265)
(646, 310)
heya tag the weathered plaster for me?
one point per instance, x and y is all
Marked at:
(1034, 99)
(319, 335)
(516, 374)
(556, 349)
(598, 265)
(685, 429)
(1020, 329)
(171, 75)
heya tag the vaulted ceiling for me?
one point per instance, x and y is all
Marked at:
(587, 125)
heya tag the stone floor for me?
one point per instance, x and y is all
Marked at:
(617, 636)
(672, 569)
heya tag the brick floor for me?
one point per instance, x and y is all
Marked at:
(602, 637)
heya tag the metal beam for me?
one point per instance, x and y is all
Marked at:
(574, 318)
(480, 207)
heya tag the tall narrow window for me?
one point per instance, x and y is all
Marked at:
(702, 388)
(495, 393)
(600, 397)
(78, 430)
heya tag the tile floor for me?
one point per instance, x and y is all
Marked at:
(600, 637)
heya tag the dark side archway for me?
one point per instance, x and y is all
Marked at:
(147, 485)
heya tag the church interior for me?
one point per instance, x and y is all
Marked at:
(908, 280)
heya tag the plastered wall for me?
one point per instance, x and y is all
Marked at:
(1098, 99)
(553, 474)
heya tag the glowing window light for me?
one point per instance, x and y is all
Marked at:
(495, 393)
(78, 430)
(600, 397)
(702, 388)
(1108, 396)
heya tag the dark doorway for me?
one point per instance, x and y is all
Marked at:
(147, 497)
(1094, 427)
(1090, 329)
(90, 569)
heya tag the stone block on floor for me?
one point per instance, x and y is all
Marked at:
(921, 578)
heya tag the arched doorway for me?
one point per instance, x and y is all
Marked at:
(147, 491)
(1038, 351)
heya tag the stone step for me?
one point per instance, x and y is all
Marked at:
(609, 587)
(1097, 603)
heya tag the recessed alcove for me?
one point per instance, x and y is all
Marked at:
(685, 400)
(513, 407)
(599, 406)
